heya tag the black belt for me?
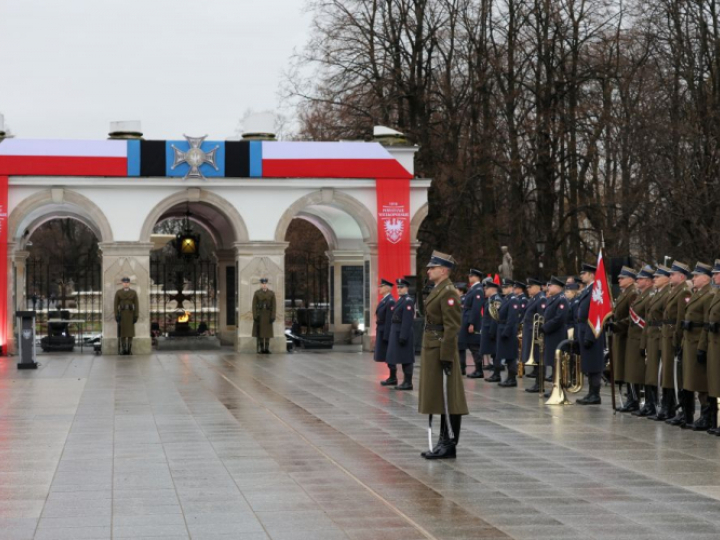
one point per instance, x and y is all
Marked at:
(434, 327)
(127, 307)
(689, 325)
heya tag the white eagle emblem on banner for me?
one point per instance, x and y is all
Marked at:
(394, 230)
(597, 293)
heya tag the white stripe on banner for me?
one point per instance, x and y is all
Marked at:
(52, 148)
(324, 150)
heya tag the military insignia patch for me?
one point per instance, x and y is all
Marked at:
(687, 299)
(562, 306)
(451, 302)
(542, 306)
(392, 308)
(409, 308)
(477, 296)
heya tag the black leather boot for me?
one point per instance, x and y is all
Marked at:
(679, 415)
(703, 423)
(511, 380)
(667, 404)
(495, 377)
(650, 406)
(535, 388)
(713, 429)
(477, 374)
(593, 397)
(446, 449)
(392, 379)
(463, 362)
(407, 378)
(441, 440)
(688, 410)
(632, 403)
(129, 346)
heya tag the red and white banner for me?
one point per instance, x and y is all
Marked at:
(600, 300)
(393, 211)
(38, 157)
(3, 263)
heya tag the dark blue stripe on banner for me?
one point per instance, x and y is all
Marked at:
(237, 159)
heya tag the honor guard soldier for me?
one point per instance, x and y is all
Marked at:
(507, 332)
(520, 292)
(383, 321)
(672, 334)
(694, 360)
(401, 345)
(441, 385)
(556, 315)
(711, 346)
(127, 309)
(263, 307)
(652, 340)
(462, 342)
(634, 353)
(620, 327)
(472, 320)
(573, 288)
(535, 306)
(488, 336)
(592, 349)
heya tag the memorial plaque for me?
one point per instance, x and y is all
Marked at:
(352, 294)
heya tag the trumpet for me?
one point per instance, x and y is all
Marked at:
(538, 339)
(568, 373)
(521, 366)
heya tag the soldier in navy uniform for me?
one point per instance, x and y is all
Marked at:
(382, 329)
(535, 306)
(520, 292)
(507, 342)
(472, 320)
(557, 312)
(462, 342)
(488, 336)
(401, 346)
(592, 349)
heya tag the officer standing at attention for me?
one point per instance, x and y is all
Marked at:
(520, 293)
(672, 334)
(634, 353)
(507, 344)
(264, 306)
(620, 326)
(488, 336)
(694, 360)
(383, 321)
(462, 342)
(592, 349)
(472, 320)
(401, 345)
(535, 306)
(127, 309)
(711, 346)
(440, 356)
(556, 314)
(652, 340)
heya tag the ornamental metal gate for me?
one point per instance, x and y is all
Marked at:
(70, 295)
(183, 294)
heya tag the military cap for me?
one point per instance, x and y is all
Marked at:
(574, 286)
(263, 280)
(533, 281)
(520, 285)
(507, 283)
(441, 259)
(681, 267)
(587, 267)
(474, 272)
(554, 280)
(125, 280)
(647, 272)
(402, 282)
(702, 269)
(488, 282)
(628, 272)
(662, 271)
(386, 283)
(460, 285)
(716, 268)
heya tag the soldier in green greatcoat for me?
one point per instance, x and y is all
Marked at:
(126, 312)
(440, 356)
(263, 308)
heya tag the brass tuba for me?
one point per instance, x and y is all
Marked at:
(538, 339)
(568, 373)
(494, 307)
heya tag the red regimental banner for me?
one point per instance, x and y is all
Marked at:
(393, 215)
(3, 262)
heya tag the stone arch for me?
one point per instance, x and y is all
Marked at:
(323, 226)
(417, 221)
(337, 199)
(57, 203)
(196, 195)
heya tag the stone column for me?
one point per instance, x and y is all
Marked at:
(414, 246)
(20, 267)
(9, 346)
(337, 260)
(228, 333)
(131, 259)
(257, 260)
(372, 283)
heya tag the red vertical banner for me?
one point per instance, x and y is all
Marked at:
(393, 216)
(3, 263)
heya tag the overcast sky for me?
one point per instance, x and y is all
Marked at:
(69, 67)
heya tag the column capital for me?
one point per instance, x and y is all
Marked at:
(20, 256)
(260, 249)
(125, 249)
(349, 256)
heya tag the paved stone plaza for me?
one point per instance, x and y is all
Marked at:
(309, 446)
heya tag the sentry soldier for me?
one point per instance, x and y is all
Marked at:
(383, 321)
(620, 326)
(472, 320)
(507, 344)
(652, 341)
(264, 307)
(711, 346)
(127, 309)
(536, 306)
(401, 345)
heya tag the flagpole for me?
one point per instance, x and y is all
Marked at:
(610, 335)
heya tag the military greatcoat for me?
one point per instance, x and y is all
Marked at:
(621, 314)
(711, 344)
(592, 349)
(383, 321)
(442, 323)
(488, 336)
(535, 306)
(263, 308)
(507, 340)
(401, 345)
(472, 305)
(127, 309)
(696, 312)
(634, 362)
(652, 335)
(672, 332)
(555, 326)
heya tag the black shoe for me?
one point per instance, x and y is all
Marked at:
(477, 374)
(677, 420)
(445, 451)
(495, 378)
(390, 381)
(510, 382)
(463, 371)
(549, 378)
(647, 410)
(630, 406)
(404, 386)
(593, 398)
(534, 389)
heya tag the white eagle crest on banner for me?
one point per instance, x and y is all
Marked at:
(394, 230)
(597, 292)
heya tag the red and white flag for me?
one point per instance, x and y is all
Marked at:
(600, 300)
